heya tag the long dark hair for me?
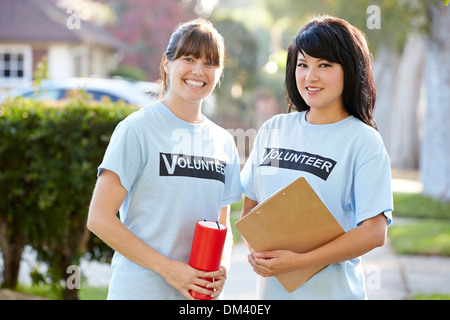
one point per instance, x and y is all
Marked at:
(335, 40)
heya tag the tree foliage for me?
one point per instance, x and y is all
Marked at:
(48, 162)
(146, 26)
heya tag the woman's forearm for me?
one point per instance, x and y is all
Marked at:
(352, 244)
(103, 222)
(112, 231)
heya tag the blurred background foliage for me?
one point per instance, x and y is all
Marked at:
(48, 161)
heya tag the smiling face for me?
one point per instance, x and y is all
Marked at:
(320, 82)
(191, 68)
(191, 79)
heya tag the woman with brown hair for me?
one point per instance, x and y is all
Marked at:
(166, 167)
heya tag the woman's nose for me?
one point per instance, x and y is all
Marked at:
(198, 68)
(311, 75)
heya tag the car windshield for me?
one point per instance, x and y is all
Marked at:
(97, 95)
(48, 94)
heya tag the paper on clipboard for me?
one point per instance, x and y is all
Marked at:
(294, 218)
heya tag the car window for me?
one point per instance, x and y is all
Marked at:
(97, 95)
(45, 94)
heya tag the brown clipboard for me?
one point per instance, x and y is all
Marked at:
(294, 218)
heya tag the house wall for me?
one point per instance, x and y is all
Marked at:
(60, 61)
(102, 61)
(64, 60)
(80, 61)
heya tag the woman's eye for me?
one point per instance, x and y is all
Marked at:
(210, 64)
(188, 59)
(301, 65)
(325, 65)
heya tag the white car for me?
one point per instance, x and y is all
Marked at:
(137, 93)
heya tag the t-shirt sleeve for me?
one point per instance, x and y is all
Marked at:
(372, 188)
(232, 191)
(248, 171)
(248, 188)
(123, 155)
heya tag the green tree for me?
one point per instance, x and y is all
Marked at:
(145, 26)
(241, 67)
(18, 188)
(48, 163)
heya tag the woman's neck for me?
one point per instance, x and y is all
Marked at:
(187, 111)
(319, 116)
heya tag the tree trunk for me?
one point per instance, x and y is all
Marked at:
(69, 252)
(68, 293)
(435, 149)
(404, 126)
(11, 247)
(385, 73)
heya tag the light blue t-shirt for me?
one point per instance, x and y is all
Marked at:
(347, 166)
(176, 173)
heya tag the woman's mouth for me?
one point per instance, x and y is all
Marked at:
(194, 83)
(313, 89)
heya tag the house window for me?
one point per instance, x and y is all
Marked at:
(11, 65)
(15, 65)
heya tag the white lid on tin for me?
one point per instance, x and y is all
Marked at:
(212, 224)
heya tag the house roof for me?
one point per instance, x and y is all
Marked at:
(42, 21)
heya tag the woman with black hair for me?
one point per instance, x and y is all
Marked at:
(331, 141)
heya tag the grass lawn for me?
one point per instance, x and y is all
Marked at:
(49, 292)
(435, 296)
(418, 206)
(429, 234)
(428, 237)
(93, 293)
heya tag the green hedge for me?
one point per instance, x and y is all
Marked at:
(49, 155)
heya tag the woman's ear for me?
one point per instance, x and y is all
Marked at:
(166, 64)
